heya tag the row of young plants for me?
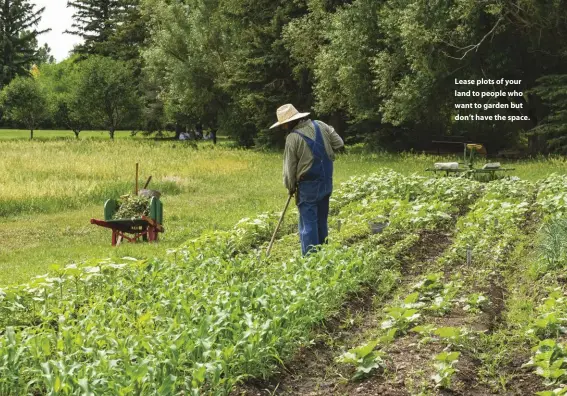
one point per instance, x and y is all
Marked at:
(430, 205)
(427, 205)
(485, 234)
(389, 184)
(500, 222)
(551, 198)
(402, 203)
(198, 322)
(432, 295)
(489, 232)
(549, 324)
(484, 239)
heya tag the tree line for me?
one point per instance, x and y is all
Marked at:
(380, 71)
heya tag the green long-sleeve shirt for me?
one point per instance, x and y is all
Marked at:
(298, 157)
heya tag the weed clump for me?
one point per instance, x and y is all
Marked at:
(131, 206)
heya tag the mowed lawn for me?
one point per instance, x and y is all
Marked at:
(51, 188)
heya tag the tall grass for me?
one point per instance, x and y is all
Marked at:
(553, 245)
(48, 177)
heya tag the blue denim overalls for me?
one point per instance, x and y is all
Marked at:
(315, 188)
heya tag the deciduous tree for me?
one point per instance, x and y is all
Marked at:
(24, 101)
(60, 81)
(106, 93)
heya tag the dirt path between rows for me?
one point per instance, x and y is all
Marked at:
(313, 371)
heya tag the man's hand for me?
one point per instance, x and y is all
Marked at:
(292, 192)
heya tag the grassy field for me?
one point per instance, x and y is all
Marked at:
(50, 189)
(463, 291)
(22, 134)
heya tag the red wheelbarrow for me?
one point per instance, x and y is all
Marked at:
(146, 228)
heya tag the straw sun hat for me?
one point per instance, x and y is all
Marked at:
(288, 113)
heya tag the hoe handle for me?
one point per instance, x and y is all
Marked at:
(278, 226)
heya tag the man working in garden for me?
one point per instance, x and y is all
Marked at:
(308, 168)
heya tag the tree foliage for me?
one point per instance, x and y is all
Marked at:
(61, 82)
(105, 93)
(112, 28)
(222, 62)
(24, 101)
(553, 91)
(18, 38)
(391, 64)
(94, 22)
(381, 71)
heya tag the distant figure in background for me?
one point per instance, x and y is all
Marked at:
(214, 136)
(199, 131)
(308, 168)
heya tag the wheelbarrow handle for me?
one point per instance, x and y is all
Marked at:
(148, 182)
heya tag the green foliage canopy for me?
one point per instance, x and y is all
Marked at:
(24, 101)
(106, 93)
(222, 62)
(18, 38)
(61, 82)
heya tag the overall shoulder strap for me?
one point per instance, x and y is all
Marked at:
(318, 134)
(302, 135)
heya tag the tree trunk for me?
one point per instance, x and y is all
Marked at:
(177, 130)
(31, 134)
(111, 132)
(76, 133)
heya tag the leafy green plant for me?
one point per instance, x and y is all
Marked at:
(552, 196)
(552, 316)
(425, 332)
(364, 358)
(550, 362)
(554, 392)
(474, 302)
(451, 335)
(430, 285)
(444, 366)
(433, 294)
(400, 318)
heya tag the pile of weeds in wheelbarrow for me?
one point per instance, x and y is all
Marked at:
(131, 206)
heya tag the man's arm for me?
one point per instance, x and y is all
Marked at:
(334, 138)
(290, 163)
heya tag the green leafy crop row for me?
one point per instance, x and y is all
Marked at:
(216, 311)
